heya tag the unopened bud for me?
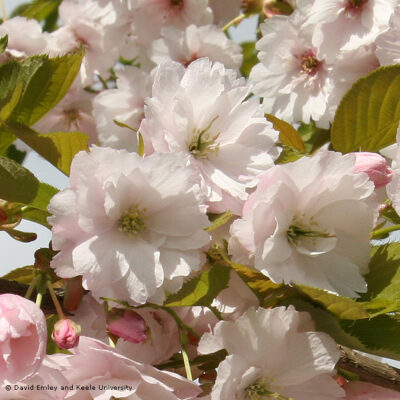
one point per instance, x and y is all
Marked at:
(130, 326)
(375, 166)
(66, 334)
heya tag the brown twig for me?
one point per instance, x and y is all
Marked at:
(368, 369)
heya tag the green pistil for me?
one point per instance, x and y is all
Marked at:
(295, 232)
(258, 391)
(132, 221)
(203, 144)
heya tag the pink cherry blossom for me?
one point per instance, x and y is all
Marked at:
(95, 364)
(130, 327)
(66, 334)
(375, 166)
(23, 337)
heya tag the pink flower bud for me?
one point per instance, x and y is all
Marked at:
(375, 166)
(66, 334)
(131, 327)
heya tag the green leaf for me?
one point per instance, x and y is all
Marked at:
(218, 220)
(17, 184)
(368, 115)
(15, 154)
(287, 134)
(384, 279)
(47, 85)
(24, 237)
(313, 137)
(23, 275)
(342, 307)
(3, 43)
(249, 58)
(377, 334)
(288, 154)
(390, 214)
(59, 148)
(201, 290)
(40, 9)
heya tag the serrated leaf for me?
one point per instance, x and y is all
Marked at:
(260, 284)
(218, 220)
(313, 137)
(59, 148)
(255, 280)
(368, 115)
(47, 85)
(3, 43)
(384, 279)
(287, 134)
(23, 275)
(201, 290)
(17, 184)
(377, 334)
(249, 58)
(342, 307)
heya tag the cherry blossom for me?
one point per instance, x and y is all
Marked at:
(196, 42)
(295, 226)
(132, 227)
(23, 338)
(273, 353)
(227, 138)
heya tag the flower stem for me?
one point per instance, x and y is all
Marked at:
(39, 299)
(235, 21)
(3, 10)
(186, 362)
(29, 292)
(384, 232)
(55, 301)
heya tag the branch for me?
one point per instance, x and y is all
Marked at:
(368, 369)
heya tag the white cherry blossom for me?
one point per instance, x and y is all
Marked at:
(131, 226)
(296, 227)
(273, 354)
(185, 46)
(388, 47)
(202, 112)
(345, 24)
(125, 104)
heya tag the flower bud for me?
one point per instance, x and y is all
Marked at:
(130, 326)
(66, 334)
(375, 166)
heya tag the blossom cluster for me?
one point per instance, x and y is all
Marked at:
(187, 174)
